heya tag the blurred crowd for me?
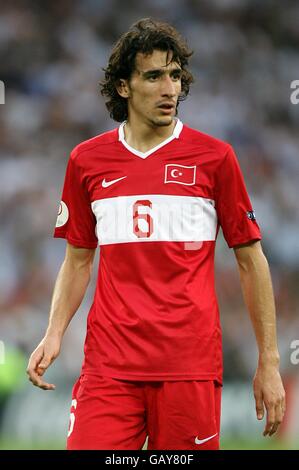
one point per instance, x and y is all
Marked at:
(52, 54)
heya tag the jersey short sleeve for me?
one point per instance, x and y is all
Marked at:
(76, 221)
(234, 209)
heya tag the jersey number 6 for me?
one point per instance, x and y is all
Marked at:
(72, 418)
(142, 220)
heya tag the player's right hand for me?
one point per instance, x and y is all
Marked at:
(41, 358)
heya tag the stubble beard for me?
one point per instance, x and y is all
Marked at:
(162, 122)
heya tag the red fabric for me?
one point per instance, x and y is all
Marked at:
(155, 313)
(118, 415)
(232, 202)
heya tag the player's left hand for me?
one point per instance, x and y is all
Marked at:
(269, 392)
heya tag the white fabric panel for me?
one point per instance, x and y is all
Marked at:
(157, 218)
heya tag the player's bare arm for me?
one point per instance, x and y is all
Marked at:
(258, 295)
(70, 287)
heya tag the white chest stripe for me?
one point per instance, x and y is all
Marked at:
(154, 217)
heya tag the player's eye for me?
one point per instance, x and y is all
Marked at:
(176, 75)
(153, 78)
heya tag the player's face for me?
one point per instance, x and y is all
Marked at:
(154, 88)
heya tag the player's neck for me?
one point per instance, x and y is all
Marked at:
(144, 137)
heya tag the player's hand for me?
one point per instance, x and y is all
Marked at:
(269, 393)
(41, 358)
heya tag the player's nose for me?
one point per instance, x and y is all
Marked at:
(168, 87)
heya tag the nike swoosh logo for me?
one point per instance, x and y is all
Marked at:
(201, 441)
(106, 184)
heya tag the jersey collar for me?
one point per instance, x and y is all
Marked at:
(175, 135)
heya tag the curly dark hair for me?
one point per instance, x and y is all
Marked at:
(144, 36)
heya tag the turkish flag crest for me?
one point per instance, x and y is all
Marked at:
(180, 174)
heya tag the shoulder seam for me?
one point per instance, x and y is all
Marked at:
(77, 149)
(213, 145)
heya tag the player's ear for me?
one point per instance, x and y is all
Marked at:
(123, 88)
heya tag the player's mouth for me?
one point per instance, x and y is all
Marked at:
(167, 108)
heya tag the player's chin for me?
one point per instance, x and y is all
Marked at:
(164, 120)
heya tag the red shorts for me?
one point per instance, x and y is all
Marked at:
(115, 414)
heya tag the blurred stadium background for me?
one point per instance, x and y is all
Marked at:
(245, 57)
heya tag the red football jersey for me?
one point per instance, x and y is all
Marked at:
(156, 217)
